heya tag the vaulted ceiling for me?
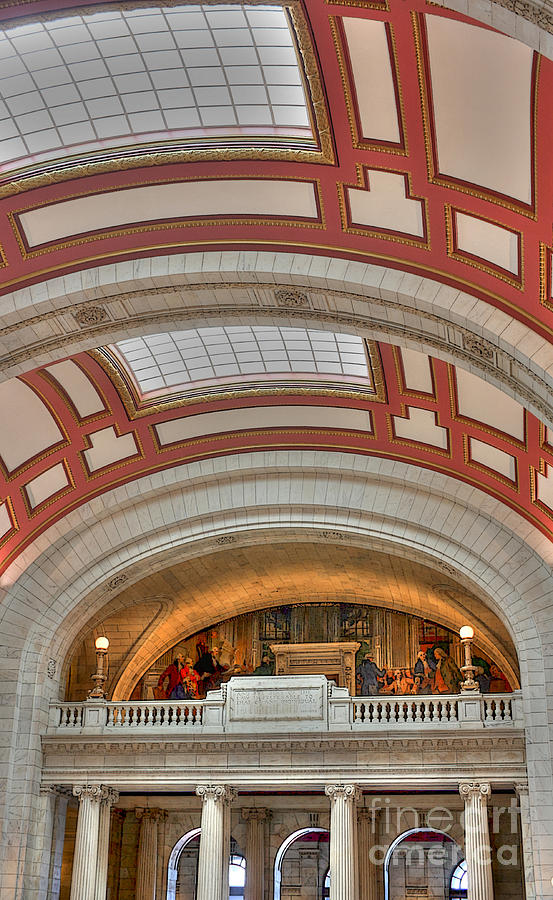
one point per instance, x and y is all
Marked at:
(401, 134)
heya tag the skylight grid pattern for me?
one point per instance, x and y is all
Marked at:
(101, 78)
(178, 358)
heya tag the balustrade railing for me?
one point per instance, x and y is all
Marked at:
(269, 705)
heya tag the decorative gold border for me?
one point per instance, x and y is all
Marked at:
(62, 393)
(13, 519)
(261, 432)
(476, 423)
(546, 261)
(463, 256)
(397, 353)
(421, 445)
(135, 408)
(322, 153)
(119, 463)
(400, 237)
(161, 225)
(33, 511)
(493, 473)
(48, 451)
(350, 91)
(417, 19)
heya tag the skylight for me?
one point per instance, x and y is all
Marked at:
(170, 361)
(84, 83)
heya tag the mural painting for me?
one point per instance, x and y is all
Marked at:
(398, 653)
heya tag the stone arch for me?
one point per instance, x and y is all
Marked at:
(426, 514)
(174, 858)
(399, 840)
(165, 292)
(281, 853)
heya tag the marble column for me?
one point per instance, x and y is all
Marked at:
(367, 837)
(477, 839)
(114, 856)
(83, 882)
(111, 797)
(344, 864)
(214, 854)
(146, 870)
(526, 840)
(255, 851)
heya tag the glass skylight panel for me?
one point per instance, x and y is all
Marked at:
(179, 358)
(81, 83)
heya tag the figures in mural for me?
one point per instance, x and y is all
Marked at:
(424, 671)
(182, 680)
(398, 654)
(448, 676)
(371, 676)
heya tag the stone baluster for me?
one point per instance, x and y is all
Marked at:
(83, 882)
(214, 854)
(110, 798)
(369, 871)
(477, 840)
(343, 841)
(255, 851)
(526, 840)
(146, 869)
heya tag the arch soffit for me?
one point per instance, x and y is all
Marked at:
(85, 310)
(429, 523)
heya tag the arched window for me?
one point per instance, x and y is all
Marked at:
(458, 888)
(315, 840)
(326, 886)
(412, 852)
(189, 846)
(237, 876)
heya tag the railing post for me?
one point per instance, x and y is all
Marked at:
(95, 715)
(340, 709)
(471, 709)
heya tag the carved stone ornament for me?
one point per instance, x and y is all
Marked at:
(87, 316)
(94, 792)
(51, 668)
(226, 539)
(117, 580)
(111, 796)
(478, 347)
(470, 789)
(290, 298)
(219, 793)
(348, 792)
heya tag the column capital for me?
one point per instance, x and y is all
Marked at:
(471, 789)
(219, 793)
(348, 792)
(111, 796)
(94, 792)
(256, 814)
(155, 814)
(521, 788)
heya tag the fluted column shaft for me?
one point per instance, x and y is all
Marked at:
(104, 824)
(526, 840)
(367, 820)
(213, 859)
(477, 840)
(343, 841)
(83, 882)
(146, 870)
(255, 852)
